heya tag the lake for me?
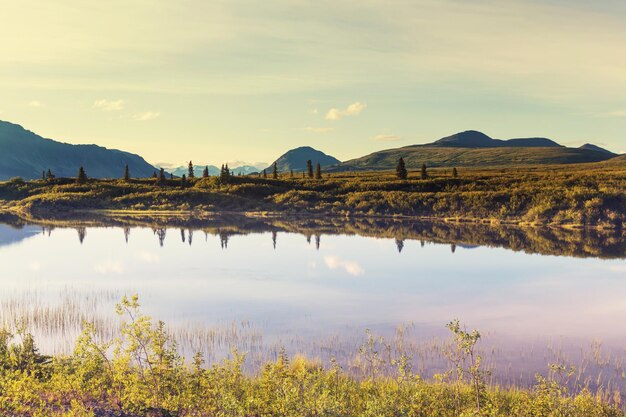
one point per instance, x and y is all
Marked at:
(314, 286)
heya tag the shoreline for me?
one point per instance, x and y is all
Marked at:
(76, 214)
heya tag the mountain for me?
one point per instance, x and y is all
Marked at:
(25, 154)
(475, 139)
(475, 149)
(214, 171)
(469, 139)
(244, 170)
(197, 170)
(295, 159)
(592, 147)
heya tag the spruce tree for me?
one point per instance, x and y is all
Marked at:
(205, 173)
(264, 173)
(309, 168)
(161, 180)
(224, 173)
(401, 171)
(190, 172)
(183, 180)
(49, 175)
(126, 174)
(43, 175)
(318, 171)
(424, 173)
(154, 174)
(82, 177)
(275, 172)
(291, 174)
(455, 173)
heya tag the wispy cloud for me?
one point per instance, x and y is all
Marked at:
(147, 257)
(314, 111)
(145, 116)
(109, 267)
(109, 105)
(387, 138)
(318, 129)
(617, 113)
(351, 267)
(35, 103)
(353, 109)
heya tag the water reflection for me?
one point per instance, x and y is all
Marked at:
(609, 244)
(314, 285)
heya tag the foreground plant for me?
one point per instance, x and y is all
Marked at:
(140, 372)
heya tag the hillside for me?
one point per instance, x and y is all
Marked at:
(619, 161)
(295, 159)
(572, 195)
(475, 149)
(26, 154)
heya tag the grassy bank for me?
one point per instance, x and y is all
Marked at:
(591, 195)
(139, 373)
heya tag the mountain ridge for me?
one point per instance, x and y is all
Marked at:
(472, 148)
(26, 154)
(476, 139)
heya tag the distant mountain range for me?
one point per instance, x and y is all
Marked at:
(475, 149)
(213, 170)
(297, 158)
(26, 154)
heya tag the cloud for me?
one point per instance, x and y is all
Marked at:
(35, 103)
(109, 267)
(166, 165)
(314, 111)
(145, 116)
(387, 138)
(353, 109)
(109, 105)
(318, 129)
(350, 267)
(617, 113)
(148, 257)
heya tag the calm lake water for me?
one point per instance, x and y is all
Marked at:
(536, 296)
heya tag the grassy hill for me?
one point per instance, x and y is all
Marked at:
(437, 156)
(26, 154)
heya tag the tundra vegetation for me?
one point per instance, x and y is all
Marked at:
(583, 195)
(139, 372)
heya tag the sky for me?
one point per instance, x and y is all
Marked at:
(224, 81)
